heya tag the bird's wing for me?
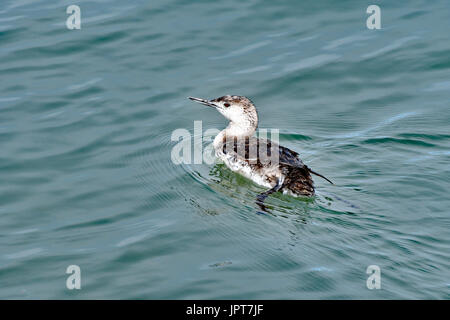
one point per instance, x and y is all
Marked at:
(292, 158)
(252, 150)
(264, 152)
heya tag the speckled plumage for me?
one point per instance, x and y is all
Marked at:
(275, 167)
(260, 166)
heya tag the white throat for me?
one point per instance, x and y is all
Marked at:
(241, 129)
(238, 130)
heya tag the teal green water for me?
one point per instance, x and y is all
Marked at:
(86, 118)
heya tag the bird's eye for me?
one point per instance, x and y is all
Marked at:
(226, 105)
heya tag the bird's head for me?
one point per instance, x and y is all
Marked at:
(239, 110)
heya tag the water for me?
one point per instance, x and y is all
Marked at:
(86, 118)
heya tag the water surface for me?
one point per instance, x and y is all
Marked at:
(86, 118)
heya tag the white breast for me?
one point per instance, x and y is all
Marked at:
(260, 176)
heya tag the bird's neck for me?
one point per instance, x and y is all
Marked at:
(240, 129)
(234, 130)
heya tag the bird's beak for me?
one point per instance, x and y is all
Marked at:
(203, 101)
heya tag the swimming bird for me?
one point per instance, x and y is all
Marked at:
(260, 160)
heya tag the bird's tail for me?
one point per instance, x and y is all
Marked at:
(318, 174)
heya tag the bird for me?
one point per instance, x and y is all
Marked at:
(263, 161)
